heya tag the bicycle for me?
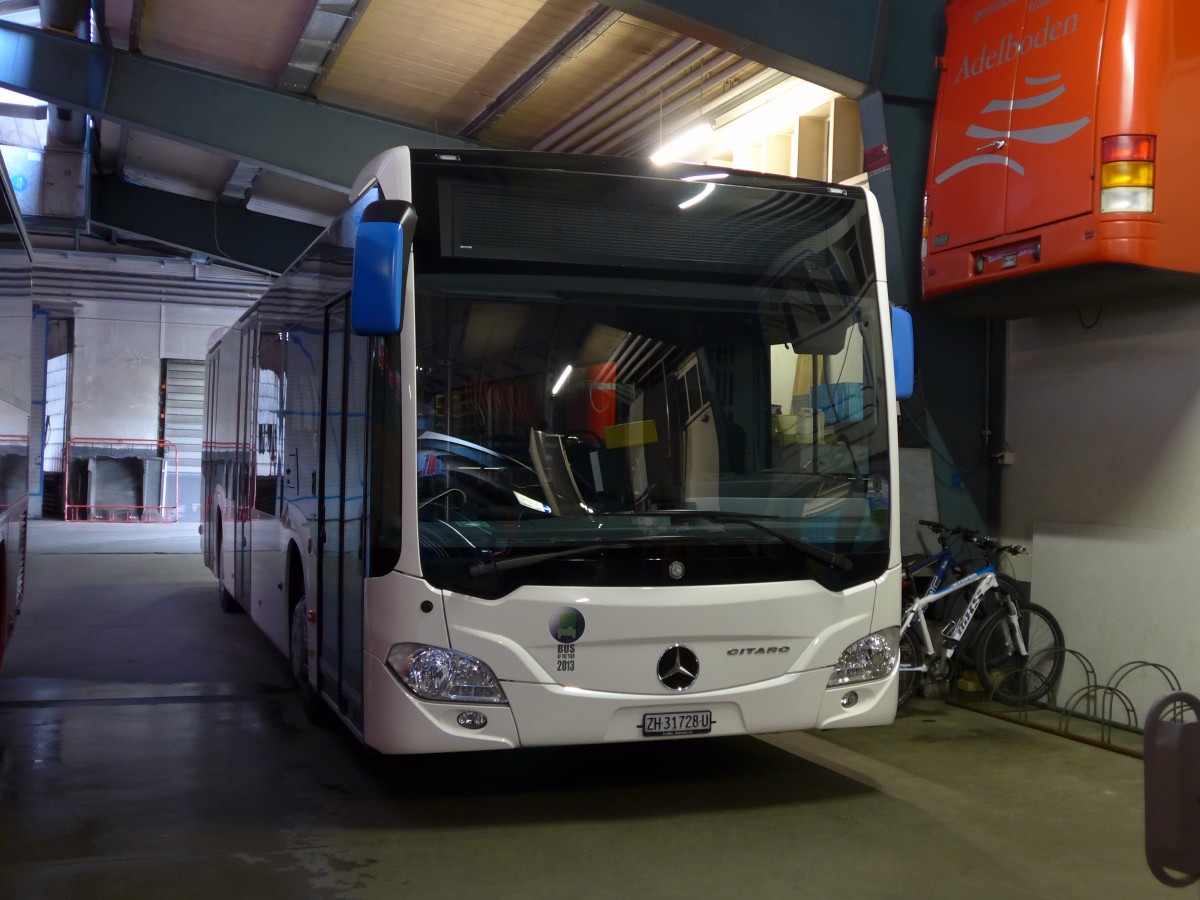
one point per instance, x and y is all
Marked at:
(1019, 650)
(945, 561)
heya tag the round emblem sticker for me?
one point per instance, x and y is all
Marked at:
(566, 625)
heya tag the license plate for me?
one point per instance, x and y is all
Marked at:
(674, 724)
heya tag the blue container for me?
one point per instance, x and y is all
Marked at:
(841, 402)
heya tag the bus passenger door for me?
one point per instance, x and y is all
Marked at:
(340, 562)
(243, 485)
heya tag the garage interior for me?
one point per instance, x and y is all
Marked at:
(171, 158)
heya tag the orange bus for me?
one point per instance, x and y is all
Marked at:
(1064, 154)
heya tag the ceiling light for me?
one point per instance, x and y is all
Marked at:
(708, 188)
(682, 144)
(562, 379)
(704, 192)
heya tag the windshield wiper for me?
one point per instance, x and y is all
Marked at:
(820, 554)
(532, 559)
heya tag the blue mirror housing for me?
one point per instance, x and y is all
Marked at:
(381, 251)
(903, 352)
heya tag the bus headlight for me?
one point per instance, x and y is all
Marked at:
(867, 659)
(435, 673)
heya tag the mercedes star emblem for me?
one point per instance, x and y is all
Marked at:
(678, 668)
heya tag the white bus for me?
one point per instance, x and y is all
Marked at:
(541, 449)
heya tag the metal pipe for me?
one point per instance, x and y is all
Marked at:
(591, 26)
(627, 92)
(630, 142)
(651, 107)
(652, 113)
(64, 125)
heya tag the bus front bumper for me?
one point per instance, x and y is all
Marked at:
(552, 715)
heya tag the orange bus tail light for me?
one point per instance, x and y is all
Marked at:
(1127, 173)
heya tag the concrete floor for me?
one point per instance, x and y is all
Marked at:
(151, 747)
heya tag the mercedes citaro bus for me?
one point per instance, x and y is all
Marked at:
(541, 449)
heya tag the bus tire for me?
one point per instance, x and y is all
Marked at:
(312, 704)
(6, 627)
(228, 602)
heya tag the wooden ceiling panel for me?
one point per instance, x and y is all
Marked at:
(437, 66)
(248, 41)
(629, 45)
(118, 19)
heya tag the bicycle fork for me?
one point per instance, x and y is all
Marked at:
(924, 645)
(1013, 639)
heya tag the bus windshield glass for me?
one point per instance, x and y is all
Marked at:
(628, 374)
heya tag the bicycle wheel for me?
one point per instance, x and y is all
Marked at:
(993, 602)
(909, 656)
(1007, 675)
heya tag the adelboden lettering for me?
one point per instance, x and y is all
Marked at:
(1010, 47)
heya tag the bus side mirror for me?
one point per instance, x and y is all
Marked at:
(381, 252)
(903, 352)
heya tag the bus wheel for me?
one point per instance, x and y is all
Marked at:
(313, 706)
(228, 603)
(4, 623)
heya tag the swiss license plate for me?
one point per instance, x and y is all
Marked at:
(673, 724)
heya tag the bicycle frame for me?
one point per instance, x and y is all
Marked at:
(944, 558)
(953, 631)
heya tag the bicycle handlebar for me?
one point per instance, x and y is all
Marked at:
(983, 541)
(940, 529)
(991, 545)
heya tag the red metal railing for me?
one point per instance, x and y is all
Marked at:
(120, 480)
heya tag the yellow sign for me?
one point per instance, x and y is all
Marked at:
(632, 434)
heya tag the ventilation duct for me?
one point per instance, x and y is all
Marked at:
(65, 163)
(66, 126)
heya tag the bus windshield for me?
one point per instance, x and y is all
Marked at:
(625, 405)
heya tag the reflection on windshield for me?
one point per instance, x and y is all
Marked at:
(550, 424)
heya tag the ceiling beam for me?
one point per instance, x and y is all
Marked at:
(852, 46)
(301, 137)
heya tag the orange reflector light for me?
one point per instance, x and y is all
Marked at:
(1127, 174)
(1118, 147)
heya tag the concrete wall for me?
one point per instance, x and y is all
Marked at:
(1104, 419)
(117, 367)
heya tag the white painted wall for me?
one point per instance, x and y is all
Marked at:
(119, 348)
(1105, 425)
(116, 368)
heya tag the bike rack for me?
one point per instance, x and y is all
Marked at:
(1106, 705)
(1026, 672)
